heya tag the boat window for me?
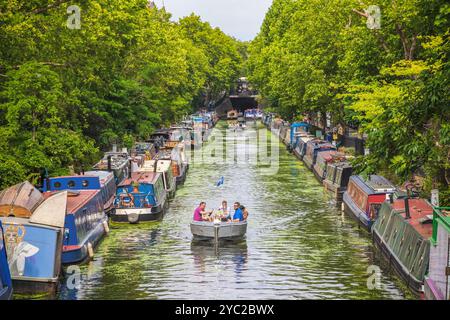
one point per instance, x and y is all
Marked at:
(85, 183)
(57, 185)
(71, 184)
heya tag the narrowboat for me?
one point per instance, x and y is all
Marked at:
(103, 181)
(218, 230)
(337, 178)
(322, 161)
(139, 198)
(314, 147)
(363, 198)
(285, 133)
(401, 233)
(298, 129)
(145, 149)
(185, 135)
(86, 222)
(437, 282)
(165, 168)
(5, 276)
(116, 162)
(178, 157)
(33, 228)
(301, 143)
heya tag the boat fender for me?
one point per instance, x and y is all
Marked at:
(90, 250)
(342, 207)
(106, 227)
(133, 218)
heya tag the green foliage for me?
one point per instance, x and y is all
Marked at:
(66, 94)
(393, 82)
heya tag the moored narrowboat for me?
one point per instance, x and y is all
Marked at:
(437, 282)
(401, 233)
(322, 161)
(313, 147)
(165, 168)
(91, 180)
(177, 155)
(301, 143)
(33, 228)
(337, 178)
(363, 198)
(116, 162)
(86, 222)
(140, 198)
(145, 149)
(5, 276)
(298, 129)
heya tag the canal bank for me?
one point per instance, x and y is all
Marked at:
(298, 245)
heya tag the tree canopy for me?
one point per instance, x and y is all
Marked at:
(68, 93)
(391, 81)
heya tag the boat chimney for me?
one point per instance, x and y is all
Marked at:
(130, 168)
(109, 163)
(407, 212)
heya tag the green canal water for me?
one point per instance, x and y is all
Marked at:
(298, 245)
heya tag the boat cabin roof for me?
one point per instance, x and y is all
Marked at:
(75, 200)
(374, 184)
(141, 177)
(22, 199)
(420, 210)
(162, 166)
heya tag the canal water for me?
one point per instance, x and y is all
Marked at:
(298, 245)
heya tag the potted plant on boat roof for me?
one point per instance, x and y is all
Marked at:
(135, 186)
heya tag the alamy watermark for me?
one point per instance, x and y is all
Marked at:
(373, 13)
(74, 19)
(374, 279)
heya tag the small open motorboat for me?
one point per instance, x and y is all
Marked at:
(218, 230)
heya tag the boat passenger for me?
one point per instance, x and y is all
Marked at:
(200, 214)
(244, 212)
(225, 210)
(238, 215)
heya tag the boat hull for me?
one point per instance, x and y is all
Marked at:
(414, 284)
(35, 286)
(138, 215)
(6, 294)
(222, 231)
(80, 253)
(353, 211)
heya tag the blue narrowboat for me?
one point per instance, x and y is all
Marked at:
(141, 197)
(313, 147)
(86, 222)
(363, 198)
(298, 129)
(33, 227)
(5, 275)
(103, 181)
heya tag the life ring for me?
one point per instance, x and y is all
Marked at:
(124, 202)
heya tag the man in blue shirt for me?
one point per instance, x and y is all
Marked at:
(238, 215)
